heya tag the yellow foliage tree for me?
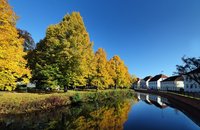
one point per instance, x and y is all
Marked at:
(12, 64)
(101, 77)
(64, 56)
(119, 73)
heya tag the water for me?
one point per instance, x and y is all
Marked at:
(156, 113)
(143, 112)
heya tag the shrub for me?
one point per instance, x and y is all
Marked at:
(75, 98)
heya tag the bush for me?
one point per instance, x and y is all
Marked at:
(75, 99)
(91, 97)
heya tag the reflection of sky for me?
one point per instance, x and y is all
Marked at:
(148, 117)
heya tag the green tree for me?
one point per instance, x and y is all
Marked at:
(67, 48)
(12, 63)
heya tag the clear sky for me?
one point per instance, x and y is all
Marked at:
(149, 35)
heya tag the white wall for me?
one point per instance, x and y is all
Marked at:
(143, 84)
(190, 85)
(155, 84)
(147, 83)
(158, 83)
(172, 85)
(137, 84)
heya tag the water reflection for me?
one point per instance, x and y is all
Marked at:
(143, 112)
(155, 112)
(105, 116)
(153, 99)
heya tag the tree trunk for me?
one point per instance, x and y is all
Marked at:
(65, 88)
(96, 89)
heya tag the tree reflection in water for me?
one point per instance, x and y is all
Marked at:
(97, 116)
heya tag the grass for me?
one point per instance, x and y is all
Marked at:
(27, 102)
(14, 103)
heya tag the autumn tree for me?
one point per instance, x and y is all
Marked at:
(67, 50)
(119, 73)
(134, 79)
(12, 63)
(101, 78)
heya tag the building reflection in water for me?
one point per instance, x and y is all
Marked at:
(158, 101)
(163, 103)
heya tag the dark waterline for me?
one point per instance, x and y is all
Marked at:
(142, 112)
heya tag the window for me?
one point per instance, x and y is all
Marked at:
(191, 86)
(190, 79)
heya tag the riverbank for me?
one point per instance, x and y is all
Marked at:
(17, 103)
(193, 102)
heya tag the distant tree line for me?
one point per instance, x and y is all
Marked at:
(64, 58)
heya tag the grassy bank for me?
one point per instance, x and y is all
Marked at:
(15, 103)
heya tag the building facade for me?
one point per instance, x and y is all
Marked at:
(155, 82)
(191, 85)
(145, 82)
(173, 83)
(137, 84)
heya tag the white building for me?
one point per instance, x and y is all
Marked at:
(155, 82)
(145, 82)
(190, 84)
(173, 83)
(137, 84)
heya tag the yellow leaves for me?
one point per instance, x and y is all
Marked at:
(67, 47)
(12, 63)
(119, 72)
(7, 16)
(7, 80)
(111, 73)
(101, 77)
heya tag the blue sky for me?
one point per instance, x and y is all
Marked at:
(149, 35)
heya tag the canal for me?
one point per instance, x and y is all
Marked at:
(142, 112)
